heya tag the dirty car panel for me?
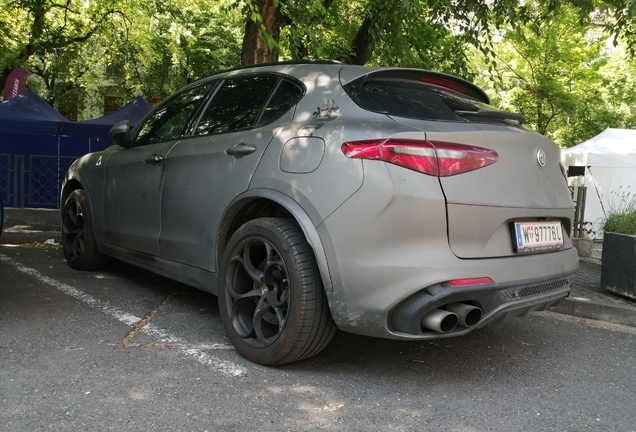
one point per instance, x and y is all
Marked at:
(310, 196)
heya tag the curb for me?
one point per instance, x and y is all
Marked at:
(591, 260)
(40, 218)
(584, 308)
(30, 225)
(21, 236)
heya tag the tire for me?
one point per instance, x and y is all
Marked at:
(271, 300)
(78, 235)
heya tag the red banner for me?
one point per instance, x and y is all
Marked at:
(15, 83)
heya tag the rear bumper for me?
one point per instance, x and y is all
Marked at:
(390, 261)
(496, 302)
(388, 297)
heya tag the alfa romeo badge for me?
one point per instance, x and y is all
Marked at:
(541, 158)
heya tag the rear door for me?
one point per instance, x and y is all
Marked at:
(205, 172)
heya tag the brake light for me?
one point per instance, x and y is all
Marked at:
(444, 83)
(435, 158)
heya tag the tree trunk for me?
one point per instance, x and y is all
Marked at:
(255, 50)
(362, 44)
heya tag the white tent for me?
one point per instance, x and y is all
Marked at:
(609, 161)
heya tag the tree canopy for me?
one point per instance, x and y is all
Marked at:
(149, 46)
(539, 56)
(564, 76)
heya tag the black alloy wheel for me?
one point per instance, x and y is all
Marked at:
(271, 299)
(78, 238)
(259, 293)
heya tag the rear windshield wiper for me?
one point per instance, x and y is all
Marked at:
(504, 115)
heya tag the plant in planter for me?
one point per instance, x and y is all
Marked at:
(618, 271)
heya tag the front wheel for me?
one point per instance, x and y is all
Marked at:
(271, 300)
(78, 235)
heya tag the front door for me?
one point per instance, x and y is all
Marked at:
(134, 175)
(132, 196)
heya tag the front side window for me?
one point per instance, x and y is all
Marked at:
(237, 105)
(170, 120)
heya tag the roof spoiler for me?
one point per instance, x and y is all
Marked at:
(450, 82)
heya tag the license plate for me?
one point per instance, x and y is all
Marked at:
(538, 236)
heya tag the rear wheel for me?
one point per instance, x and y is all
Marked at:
(78, 236)
(271, 299)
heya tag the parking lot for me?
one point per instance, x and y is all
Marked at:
(125, 349)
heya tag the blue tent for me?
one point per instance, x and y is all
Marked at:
(28, 114)
(134, 111)
(89, 136)
(30, 169)
(37, 145)
(29, 106)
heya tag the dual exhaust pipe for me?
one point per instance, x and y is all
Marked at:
(443, 321)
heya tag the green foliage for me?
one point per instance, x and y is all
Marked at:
(621, 217)
(43, 37)
(561, 73)
(410, 33)
(621, 223)
(74, 48)
(537, 56)
(170, 45)
(547, 61)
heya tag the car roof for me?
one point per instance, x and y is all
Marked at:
(303, 70)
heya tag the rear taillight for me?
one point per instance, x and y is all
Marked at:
(434, 158)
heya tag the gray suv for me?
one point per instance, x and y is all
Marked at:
(312, 196)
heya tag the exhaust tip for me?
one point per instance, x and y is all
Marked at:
(467, 315)
(440, 321)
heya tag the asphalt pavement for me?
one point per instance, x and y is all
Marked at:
(124, 349)
(587, 299)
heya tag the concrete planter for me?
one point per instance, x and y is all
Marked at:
(618, 271)
(583, 246)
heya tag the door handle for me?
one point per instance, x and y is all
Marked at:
(154, 159)
(240, 150)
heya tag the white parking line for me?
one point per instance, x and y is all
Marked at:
(160, 335)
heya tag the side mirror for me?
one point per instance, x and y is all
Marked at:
(120, 134)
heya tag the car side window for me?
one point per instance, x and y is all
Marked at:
(287, 95)
(170, 120)
(237, 105)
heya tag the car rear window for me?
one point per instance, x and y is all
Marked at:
(246, 102)
(286, 96)
(414, 99)
(236, 106)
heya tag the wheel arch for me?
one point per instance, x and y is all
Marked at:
(69, 186)
(269, 203)
(75, 182)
